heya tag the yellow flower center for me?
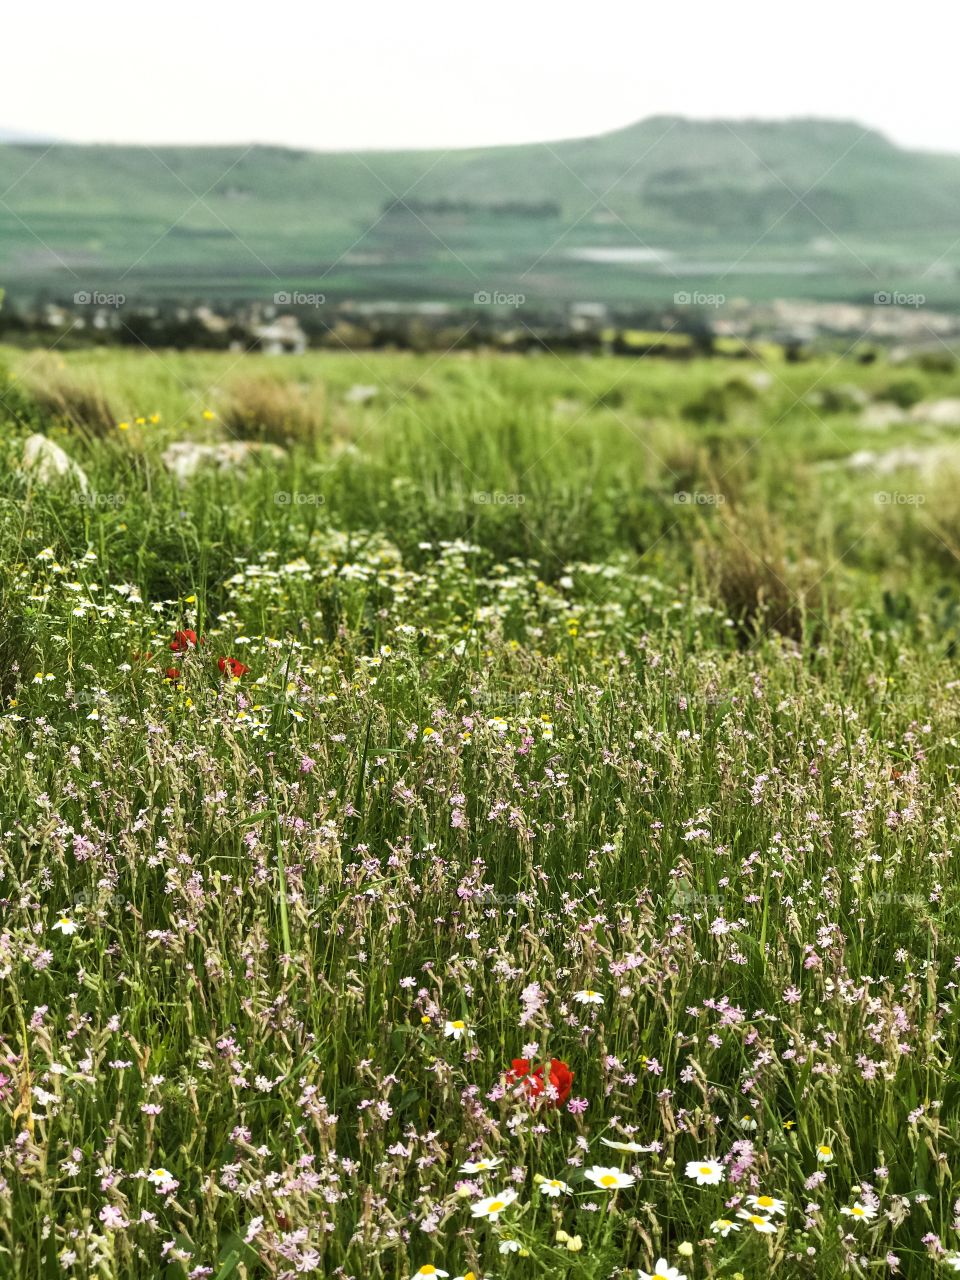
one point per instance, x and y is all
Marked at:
(608, 1180)
(764, 1201)
(459, 1025)
(706, 1170)
(496, 1206)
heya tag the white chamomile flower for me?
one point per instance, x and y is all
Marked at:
(492, 1206)
(759, 1221)
(588, 996)
(723, 1227)
(824, 1154)
(609, 1179)
(633, 1147)
(554, 1187)
(706, 1173)
(160, 1177)
(858, 1210)
(767, 1204)
(456, 1030)
(662, 1270)
(65, 925)
(429, 1270)
(952, 1260)
(481, 1166)
(509, 1246)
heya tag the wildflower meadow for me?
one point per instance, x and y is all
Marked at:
(499, 822)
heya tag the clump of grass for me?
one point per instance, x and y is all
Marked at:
(749, 572)
(80, 405)
(269, 411)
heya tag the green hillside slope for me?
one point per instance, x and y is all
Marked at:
(802, 208)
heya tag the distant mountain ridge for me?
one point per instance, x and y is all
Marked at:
(754, 203)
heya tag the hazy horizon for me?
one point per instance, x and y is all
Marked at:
(323, 81)
(11, 134)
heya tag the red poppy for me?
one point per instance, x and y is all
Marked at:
(172, 673)
(183, 640)
(235, 667)
(530, 1079)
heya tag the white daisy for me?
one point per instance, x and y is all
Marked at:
(428, 1270)
(706, 1173)
(509, 1246)
(759, 1221)
(858, 1210)
(662, 1270)
(481, 1166)
(634, 1147)
(609, 1179)
(492, 1206)
(65, 925)
(554, 1187)
(824, 1154)
(159, 1177)
(767, 1204)
(588, 996)
(723, 1226)
(456, 1030)
(952, 1260)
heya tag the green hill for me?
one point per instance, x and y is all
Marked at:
(802, 208)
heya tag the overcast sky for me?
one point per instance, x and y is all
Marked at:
(372, 73)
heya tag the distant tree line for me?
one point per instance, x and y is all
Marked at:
(499, 208)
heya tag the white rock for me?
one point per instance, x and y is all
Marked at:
(46, 463)
(360, 394)
(939, 413)
(185, 458)
(928, 460)
(883, 413)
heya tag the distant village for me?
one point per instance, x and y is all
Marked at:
(726, 327)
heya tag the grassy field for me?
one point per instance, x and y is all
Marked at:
(510, 831)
